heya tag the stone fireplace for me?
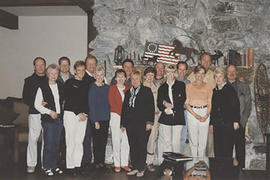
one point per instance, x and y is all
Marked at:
(200, 24)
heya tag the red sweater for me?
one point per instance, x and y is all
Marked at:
(115, 99)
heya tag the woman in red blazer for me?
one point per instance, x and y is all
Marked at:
(119, 137)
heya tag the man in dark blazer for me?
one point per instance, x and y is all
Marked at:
(244, 95)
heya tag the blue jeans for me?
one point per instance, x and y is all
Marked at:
(51, 135)
(184, 134)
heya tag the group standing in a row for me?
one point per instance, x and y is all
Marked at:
(148, 114)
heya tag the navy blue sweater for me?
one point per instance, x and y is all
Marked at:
(99, 107)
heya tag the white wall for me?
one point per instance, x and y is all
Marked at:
(47, 36)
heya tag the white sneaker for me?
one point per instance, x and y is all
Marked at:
(133, 172)
(58, 171)
(140, 174)
(30, 169)
(49, 172)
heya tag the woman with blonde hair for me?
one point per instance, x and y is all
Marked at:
(225, 116)
(137, 118)
(198, 105)
(99, 113)
(170, 101)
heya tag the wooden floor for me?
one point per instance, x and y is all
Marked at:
(11, 171)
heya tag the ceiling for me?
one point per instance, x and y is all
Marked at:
(45, 11)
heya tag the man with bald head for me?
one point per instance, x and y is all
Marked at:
(244, 95)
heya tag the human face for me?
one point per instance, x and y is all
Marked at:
(52, 75)
(231, 73)
(170, 74)
(219, 78)
(120, 78)
(64, 66)
(99, 76)
(79, 72)
(39, 67)
(199, 76)
(159, 69)
(206, 61)
(91, 65)
(149, 77)
(136, 80)
(182, 71)
(128, 68)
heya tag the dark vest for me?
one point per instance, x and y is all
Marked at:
(49, 99)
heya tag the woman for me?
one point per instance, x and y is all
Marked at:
(49, 101)
(170, 101)
(149, 75)
(137, 118)
(198, 105)
(99, 112)
(119, 138)
(75, 116)
(225, 115)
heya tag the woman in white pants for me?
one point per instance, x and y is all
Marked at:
(198, 104)
(75, 116)
(170, 101)
(119, 137)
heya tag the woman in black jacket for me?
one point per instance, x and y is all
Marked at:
(170, 101)
(137, 118)
(49, 102)
(225, 115)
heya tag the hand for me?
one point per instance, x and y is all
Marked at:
(123, 129)
(198, 117)
(82, 116)
(211, 129)
(168, 111)
(204, 118)
(148, 127)
(168, 105)
(43, 103)
(235, 126)
(53, 114)
(97, 125)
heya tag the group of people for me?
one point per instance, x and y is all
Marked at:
(147, 112)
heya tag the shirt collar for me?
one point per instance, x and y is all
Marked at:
(169, 84)
(221, 86)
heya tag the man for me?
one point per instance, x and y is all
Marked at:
(182, 68)
(65, 74)
(159, 78)
(91, 64)
(31, 85)
(128, 66)
(244, 96)
(205, 61)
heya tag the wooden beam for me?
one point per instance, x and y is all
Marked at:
(8, 20)
(5, 3)
(86, 5)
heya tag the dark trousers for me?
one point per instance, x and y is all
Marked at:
(100, 137)
(51, 135)
(138, 138)
(223, 141)
(87, 149)
(240, 145)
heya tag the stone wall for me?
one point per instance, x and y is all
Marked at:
(199, 24)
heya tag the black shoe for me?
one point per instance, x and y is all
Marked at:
(72, 172)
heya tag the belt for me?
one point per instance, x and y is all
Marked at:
(198, 107)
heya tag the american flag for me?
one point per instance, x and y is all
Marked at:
(162, 51)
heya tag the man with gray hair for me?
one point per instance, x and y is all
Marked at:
(244, 95)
